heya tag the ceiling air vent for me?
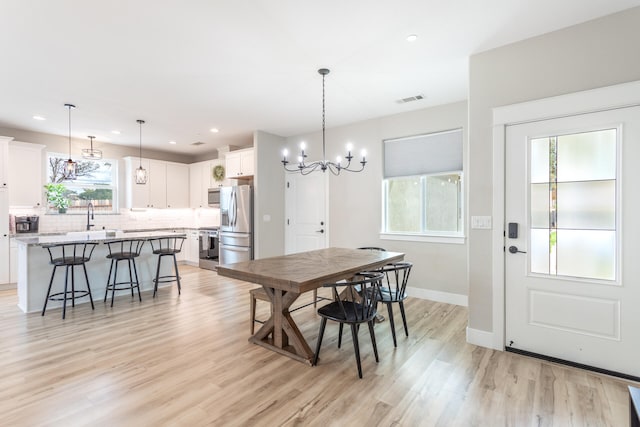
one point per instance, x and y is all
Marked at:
(410, 99)
(197, 143)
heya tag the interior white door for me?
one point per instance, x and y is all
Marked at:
(572, 271)
(306, 211)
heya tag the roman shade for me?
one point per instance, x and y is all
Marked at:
(423, 154)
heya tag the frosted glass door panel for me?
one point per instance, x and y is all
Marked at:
(539, 205)
(587, 254)
(540, 249)
(588, 205)
(540, 160)
(587, 156)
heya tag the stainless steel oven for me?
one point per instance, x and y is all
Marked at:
(208, 249)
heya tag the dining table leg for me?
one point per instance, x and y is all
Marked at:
(285, 338)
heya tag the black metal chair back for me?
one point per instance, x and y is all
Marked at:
(373, 248)
(125, 248)
(70, 253)
(167, 245)
(394, 286)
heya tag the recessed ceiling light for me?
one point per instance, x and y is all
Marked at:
(172, 142)
(39, 118)
(214, 130)
(412, 37)
(115, 132)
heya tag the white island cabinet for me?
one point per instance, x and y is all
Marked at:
(34, 270)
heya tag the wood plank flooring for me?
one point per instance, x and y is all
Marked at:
(185, 360)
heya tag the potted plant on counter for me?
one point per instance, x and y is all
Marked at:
(56, 195)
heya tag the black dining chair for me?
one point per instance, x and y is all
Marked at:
(351, 308)
(394, 290)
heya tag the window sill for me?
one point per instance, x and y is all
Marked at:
(431, 238)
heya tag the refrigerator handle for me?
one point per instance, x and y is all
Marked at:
(234, 203)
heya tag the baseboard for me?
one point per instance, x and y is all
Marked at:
(480, 338)
(446, 297)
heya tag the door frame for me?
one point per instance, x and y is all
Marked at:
(590, 101)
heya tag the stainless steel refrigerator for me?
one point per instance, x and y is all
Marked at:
(236, 224)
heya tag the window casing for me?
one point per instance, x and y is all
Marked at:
(96, 183)
(422, 192)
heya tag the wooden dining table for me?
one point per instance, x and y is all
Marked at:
(285, 278)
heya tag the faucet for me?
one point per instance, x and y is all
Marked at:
(89, 215)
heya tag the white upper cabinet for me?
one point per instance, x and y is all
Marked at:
(137, 195)
(197, 192)
(177, 189)
(157, 182)
(239, 164)
(25, 174)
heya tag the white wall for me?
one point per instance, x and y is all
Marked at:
(598, 53)
(355, 200)
(268, 195)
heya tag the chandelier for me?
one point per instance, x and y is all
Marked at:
(324, 164)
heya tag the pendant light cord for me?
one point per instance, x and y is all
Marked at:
(324, 155)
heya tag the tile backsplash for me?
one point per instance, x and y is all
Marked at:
(126, 220)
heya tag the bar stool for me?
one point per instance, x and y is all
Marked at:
(123, 250)
(254, 295)
(166, 246)
(69, 255)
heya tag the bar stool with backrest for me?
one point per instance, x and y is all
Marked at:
(350, 308)
(123, 250)
(393, 290)
(167, 246)
(69, 255)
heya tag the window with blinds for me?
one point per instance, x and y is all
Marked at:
(422, 186)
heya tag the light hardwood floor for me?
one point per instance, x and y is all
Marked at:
(185, 360)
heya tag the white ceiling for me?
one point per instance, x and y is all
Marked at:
(186, 66)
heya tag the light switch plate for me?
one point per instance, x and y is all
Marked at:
(481, 222)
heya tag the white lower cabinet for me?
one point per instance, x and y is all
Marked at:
(193, 244)
(4, 236)
(13, 260)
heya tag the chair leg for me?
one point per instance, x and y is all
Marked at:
(86, 277)
(73, 286)
(356, 347)
(155, 287)
(315, 298)
(323, 323)
(340, 335)
(393, 326)
(404, 318)
(175, 264)
(135, 271)
(106, 290)
(46, 300)
(130, 276)
(64, 299)
(252, 312)
(373, 340)
(115, 281)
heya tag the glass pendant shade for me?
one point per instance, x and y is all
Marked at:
(70, 167)
(141, 173)
(91, 153)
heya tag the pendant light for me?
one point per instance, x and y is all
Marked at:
(70, 166)
(91, 153)
(141, 173)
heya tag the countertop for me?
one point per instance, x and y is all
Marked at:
(127, 231)
(94, 237)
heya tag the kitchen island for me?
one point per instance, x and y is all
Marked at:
(34, 270)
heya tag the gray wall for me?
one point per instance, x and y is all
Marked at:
(598, 53)
(355, 200)
(269, 195)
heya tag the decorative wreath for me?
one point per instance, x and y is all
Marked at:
(218, 173)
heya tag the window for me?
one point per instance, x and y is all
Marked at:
(96, 183)
(573, 182)
(422, 186)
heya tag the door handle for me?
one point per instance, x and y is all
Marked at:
(320, 231)
(514, 250)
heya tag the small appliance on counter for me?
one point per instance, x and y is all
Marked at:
(27, 224)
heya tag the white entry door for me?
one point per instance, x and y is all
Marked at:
(573, 238)
(306, 212)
